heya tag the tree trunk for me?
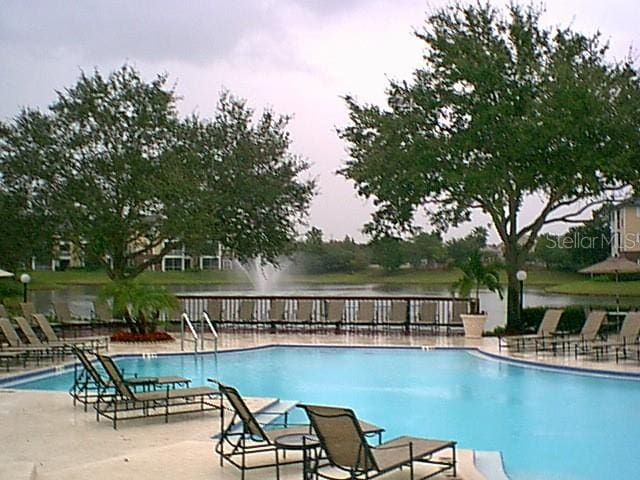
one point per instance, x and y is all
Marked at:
(514, 320)
(514, 262)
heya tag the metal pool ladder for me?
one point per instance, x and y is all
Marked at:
(193, 334)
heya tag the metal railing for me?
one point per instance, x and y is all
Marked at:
(194, 337)
(184, 320)
(418, 312)
(206, 320)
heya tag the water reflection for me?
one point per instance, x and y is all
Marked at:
(80, 298)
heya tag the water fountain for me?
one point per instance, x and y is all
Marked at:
(266, 278)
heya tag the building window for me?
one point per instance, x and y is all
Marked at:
(209, 263)
(172, 264)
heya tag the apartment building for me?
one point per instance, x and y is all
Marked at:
(625, 230)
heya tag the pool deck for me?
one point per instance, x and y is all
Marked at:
(45, 437)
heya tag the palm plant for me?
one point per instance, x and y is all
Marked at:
(476, 274)
(138, 304)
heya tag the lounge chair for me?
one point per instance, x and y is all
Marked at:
(124, 403)
(16, 345)
(87, 381)
(57, 347)
(65, 317)
(348, 454)
(620, 342)
(335, 312)
(304, 312)
(14, 357)
(547, 328)
(103, 313)
(365, 316)
(588, 333)
(428, 315)
(26, 308)
(94, 342)
(276, 312)
(246, 311)
(245, 435)
(3, 312)
(398, 314)
(458, 307)
(214, 310)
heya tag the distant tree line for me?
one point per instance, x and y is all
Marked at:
(425, 250)
(579, 247)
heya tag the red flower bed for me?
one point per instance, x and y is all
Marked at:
(141, 337)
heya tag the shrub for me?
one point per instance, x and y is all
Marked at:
(572, 319)
(10, 289)
(122, 336)
(531, 318)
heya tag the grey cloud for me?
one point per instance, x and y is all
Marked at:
(199, 32)
(151, 30)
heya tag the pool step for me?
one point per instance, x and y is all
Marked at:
(490, 464)
(268, 414)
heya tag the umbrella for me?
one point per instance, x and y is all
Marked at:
(5, 274)
(615, 265)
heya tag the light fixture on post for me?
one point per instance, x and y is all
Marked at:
(25, 278)
(521, 276)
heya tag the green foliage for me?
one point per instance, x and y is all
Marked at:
(27, 224)
(531, 318)
(244, 189)
(461, 249)
(572, 319)
(316, 257)
(9, 289)
(477, 273)
(425, 249)
(502, 109)
(139, 304)
(388, 253)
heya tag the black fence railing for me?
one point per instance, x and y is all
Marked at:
(440, 315)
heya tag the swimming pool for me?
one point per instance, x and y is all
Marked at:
(548, 424)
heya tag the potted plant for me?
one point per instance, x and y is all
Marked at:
(476, 274)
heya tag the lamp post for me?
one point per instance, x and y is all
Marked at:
(25, 278)
(521, 276)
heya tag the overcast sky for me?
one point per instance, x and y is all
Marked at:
(297, 56)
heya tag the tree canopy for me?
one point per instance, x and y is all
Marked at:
(502, 109)
(117, 171)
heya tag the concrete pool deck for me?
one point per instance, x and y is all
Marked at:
(45, 437)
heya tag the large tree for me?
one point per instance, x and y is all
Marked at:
(502, 109)
(244, 183)
(127, 179)
(25, 215)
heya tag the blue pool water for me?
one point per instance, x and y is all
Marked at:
(548, 424)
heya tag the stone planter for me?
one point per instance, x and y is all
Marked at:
(473, 325)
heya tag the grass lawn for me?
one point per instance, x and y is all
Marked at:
(47, 280)
(598, 287)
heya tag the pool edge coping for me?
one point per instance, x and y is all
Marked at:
(9, 381)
